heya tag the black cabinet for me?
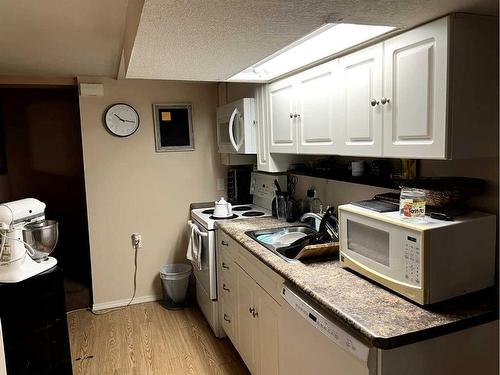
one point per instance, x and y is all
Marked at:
(34, 325)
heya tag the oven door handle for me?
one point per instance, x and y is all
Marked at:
(196, 229)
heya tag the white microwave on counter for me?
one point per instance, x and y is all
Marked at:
(237, 128)
(426, 262)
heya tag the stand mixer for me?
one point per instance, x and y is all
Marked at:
(26, 240)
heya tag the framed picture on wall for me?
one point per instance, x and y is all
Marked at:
(173, 127)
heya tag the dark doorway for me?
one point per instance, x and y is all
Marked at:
(44, 157)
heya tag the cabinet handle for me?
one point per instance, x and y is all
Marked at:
(226, 288)
(224, 243)
(224, 265)
(226, 318)
(374, 102)
(255, 314)
(385, 100)
(251, 310)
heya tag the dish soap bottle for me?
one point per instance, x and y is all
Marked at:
(316, 204)
(312, 203)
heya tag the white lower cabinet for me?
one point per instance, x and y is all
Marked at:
(267, 328)
(258, 316)
(247, 336)
(249, 315)
(273, 338)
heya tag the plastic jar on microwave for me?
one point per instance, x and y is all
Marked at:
(412, 204)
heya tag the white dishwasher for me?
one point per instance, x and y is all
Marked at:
(312, 344)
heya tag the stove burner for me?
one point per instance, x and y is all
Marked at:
(209, 211)
(242, 208)
(224, 218)
(253, 213)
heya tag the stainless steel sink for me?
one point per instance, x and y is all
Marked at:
(269, 238)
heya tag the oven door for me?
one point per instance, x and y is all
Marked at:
(207, 276)
(387, 253)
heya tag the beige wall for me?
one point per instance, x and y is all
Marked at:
(131, 188)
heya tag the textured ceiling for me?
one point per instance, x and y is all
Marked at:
(181, 39)
(214, 39)
(61, 37)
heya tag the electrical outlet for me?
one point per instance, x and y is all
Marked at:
(220, 184)
(136, 240)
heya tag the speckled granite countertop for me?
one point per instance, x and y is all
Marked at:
(374, 314)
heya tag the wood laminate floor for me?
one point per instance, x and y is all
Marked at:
(147, 339)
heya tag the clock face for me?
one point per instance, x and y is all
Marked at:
(121, 119)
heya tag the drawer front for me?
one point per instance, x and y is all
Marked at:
(227, 245)
(227, 266)
(228, 320)
(223, 241)
(266, 278)
(227, 289)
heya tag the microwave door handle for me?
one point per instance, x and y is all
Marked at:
(231, 132)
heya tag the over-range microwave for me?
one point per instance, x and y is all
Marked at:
(427, 261)
(236, 127)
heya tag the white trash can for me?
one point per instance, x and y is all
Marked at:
(175, 281)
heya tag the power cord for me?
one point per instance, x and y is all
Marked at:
(136, 246)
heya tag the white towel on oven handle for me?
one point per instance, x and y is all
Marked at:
(195, 245)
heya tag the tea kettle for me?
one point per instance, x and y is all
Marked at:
(223, 209)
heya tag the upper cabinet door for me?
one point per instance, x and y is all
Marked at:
(359, 131)
(282, 117)
(316, 93)
(415, 92)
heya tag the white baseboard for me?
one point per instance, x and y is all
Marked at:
(123, 302)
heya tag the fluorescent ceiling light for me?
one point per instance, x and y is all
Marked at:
(326, 41)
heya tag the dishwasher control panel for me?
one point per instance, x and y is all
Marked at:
(325, 325)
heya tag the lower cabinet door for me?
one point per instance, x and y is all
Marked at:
(267, 328)
(245, 310)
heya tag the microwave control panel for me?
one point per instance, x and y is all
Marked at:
(412, 253)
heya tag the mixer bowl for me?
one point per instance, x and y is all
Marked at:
(42, 236)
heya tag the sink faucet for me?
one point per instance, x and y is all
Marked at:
(319, 217)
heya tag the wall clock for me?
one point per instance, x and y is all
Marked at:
(121, 119)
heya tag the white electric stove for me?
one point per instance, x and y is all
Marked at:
(262, 189)
(204, 216)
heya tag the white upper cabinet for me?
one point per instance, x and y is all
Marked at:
(415, 92)
(302, 117)
(428, 93)
(317, 89)
(282, 109)
(359, 128)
